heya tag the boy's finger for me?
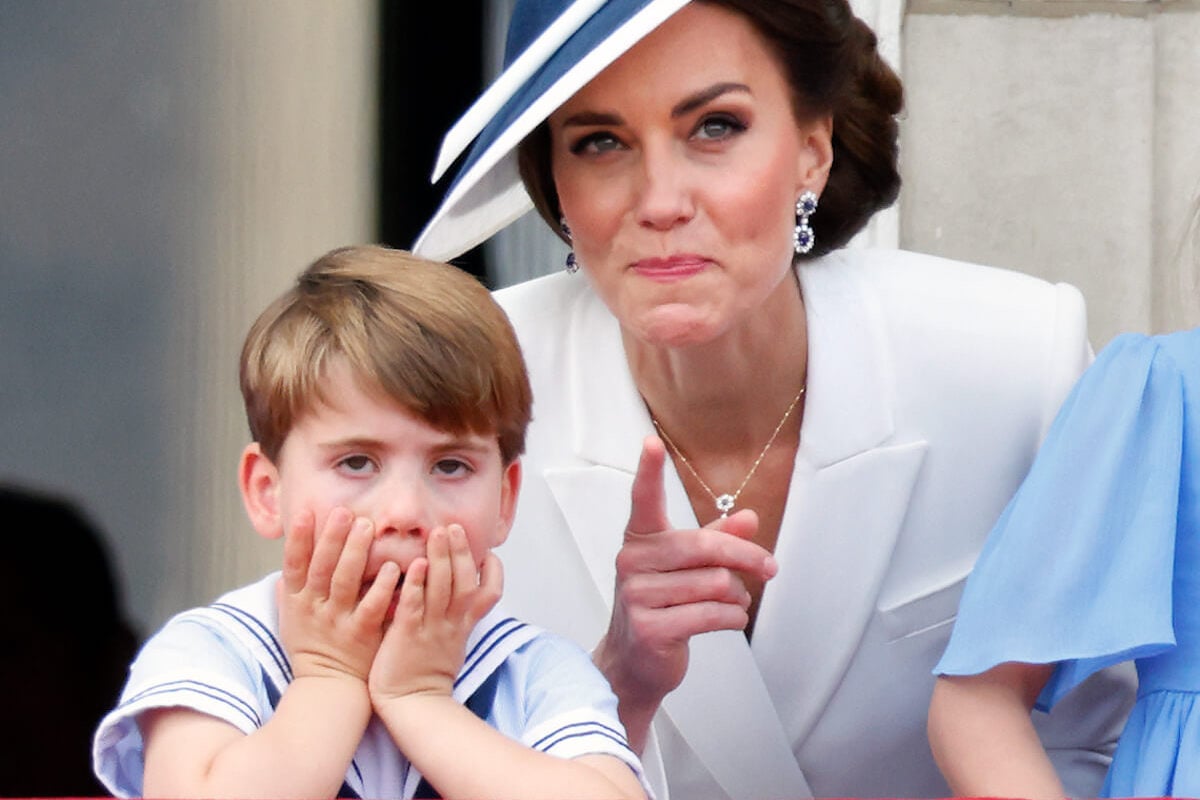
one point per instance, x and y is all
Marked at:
(438, 585)
(464, 573)
(297, 551)
(352, 561)
(412, 594)
(375, 602)
(328, 548)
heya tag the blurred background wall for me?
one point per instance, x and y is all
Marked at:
(166, 168)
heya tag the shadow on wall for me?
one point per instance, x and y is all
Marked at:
(66, 641)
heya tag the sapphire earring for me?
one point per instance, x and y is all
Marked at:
(572, 262)
(803, 237)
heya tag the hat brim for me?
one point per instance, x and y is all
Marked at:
(487, 194)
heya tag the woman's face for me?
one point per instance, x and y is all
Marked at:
(678, 169)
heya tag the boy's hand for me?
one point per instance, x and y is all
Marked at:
(443, 597)
(325, 627)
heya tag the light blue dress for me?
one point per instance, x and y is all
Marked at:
(1097, 558)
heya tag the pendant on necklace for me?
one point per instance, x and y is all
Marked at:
(725, 504)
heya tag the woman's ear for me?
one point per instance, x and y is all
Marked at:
(259, 481)
(510, 487)
(816, 155)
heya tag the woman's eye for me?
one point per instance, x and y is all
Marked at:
(596, 143)
(356, 464)
(451, 466)
(719, 127)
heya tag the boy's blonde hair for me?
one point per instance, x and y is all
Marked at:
(426, 334)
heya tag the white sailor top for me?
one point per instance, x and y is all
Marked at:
(226, 660)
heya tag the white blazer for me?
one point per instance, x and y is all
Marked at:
(930, 385)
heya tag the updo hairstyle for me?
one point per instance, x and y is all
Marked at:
(832, 63)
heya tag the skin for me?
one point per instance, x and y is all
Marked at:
(677, 169)
(363, 492)
(982, 736)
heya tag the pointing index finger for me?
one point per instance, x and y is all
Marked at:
(648, 507)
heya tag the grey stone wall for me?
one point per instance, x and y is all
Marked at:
(1059, 138)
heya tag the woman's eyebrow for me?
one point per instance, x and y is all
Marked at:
(593, 118)
(698, 99)
(682, 108)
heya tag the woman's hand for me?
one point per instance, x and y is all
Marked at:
(671, 585)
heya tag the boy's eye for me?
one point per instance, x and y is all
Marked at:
(719, 126)
(356, 464)
(451, 466)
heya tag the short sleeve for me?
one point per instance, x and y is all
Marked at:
(188, 665)
(570, 709)
(1078, 569)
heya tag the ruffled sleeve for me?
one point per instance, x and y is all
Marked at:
(1078, 569)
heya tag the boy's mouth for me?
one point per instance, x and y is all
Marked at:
(369, 582)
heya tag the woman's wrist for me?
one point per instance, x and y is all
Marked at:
(637, 702)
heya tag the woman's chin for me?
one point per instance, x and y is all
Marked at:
(675, 326)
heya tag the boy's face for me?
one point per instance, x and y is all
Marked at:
(369, 454)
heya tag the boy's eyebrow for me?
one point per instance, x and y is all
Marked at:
(349, 441)
(466, 441)
(682, 108)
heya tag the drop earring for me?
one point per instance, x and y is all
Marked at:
(572, 262)
(803, 237)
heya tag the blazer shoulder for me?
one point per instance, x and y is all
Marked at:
(546, 314)
(901, 270)
(540, 298)
(921, 292)
(968, 330)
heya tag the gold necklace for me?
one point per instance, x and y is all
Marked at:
(725, 502)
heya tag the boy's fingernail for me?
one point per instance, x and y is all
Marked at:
(362, 525)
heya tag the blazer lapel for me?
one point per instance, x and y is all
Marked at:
(608, 422)
(850, 491)
(747, 753)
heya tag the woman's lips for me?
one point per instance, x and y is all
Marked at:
(672, 268)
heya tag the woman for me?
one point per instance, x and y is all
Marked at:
(854, 421)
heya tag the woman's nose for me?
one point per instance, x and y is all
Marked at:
(664, 199)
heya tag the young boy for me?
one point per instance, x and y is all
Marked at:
(388, 402)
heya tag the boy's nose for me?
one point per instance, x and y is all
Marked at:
(403, 509)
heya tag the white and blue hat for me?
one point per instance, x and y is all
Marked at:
(554, 48)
